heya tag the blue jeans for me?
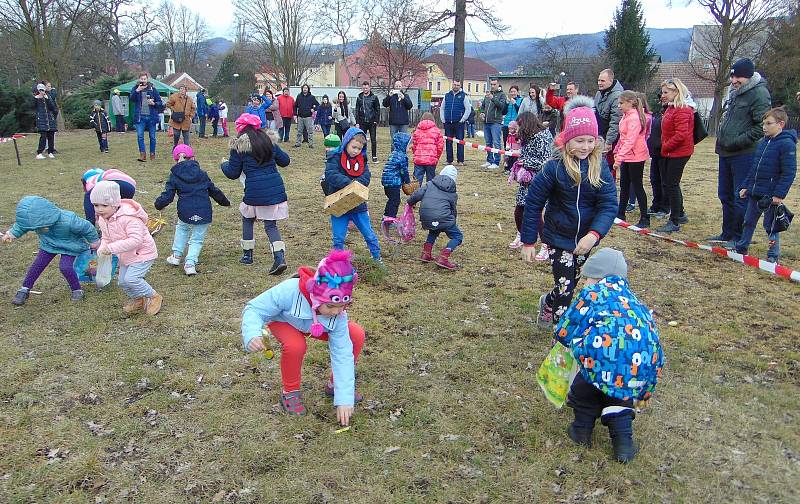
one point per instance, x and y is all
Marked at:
(176, 137)
(493, 134)
(470, 129)
(286, 128)
(148, 124)
(361, 220)
(751, 216)
(326, 129)
(455, 235)
(422, 171)
(194, 234)
(202, 132)
(397, 128)
(455, 130)
(732, 172)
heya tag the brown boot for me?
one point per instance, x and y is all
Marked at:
(142, 157)
(133, 305)
(152, 305)
(152, 156)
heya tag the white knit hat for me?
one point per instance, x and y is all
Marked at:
(106, 192)
(449, 171)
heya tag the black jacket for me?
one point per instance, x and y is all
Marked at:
(46, 112)
(305, 105)
(193, 187)
(654, 140)
(398, 109)
(368, 109)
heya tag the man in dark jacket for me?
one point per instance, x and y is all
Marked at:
(660, 206)
(456, 109)
(398, 104)
(304, 107)
(368, 112)
(492, 114)
(147, 104)
(744, 108)
(202, 112)
(438, 215)
(606, 108)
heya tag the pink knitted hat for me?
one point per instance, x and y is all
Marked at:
(182, 149)
(580, 119)
(246, 120)
(333, 282)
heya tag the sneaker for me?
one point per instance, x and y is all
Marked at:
(492, 167)
(152, 305)
(658, 214)
(630, 207)
(516, 243)
(484, 165)
(374, 159)
(189, 269)
(728, 245)
(683, 219)
(51, 156)
(21, 297)
(669, 227)
(716, 239)
(77, 295)
(644, 223)
(40, 156)
(545, 316)
(292, 403)
(175, 261)
(544, 253)
(329, 392)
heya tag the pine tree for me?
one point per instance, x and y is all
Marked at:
(222, 85)
(627, 45)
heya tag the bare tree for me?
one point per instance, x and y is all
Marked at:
(566, 54)
(466, 10)
(340, 23)
(282, 33)
(740, 30)
(185, 34)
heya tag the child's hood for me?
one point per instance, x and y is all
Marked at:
(130, 208)
(241, 144)
(787, 134)
(444, 183)
(349, 134)
(426, 125)
(189, 171)
(305, 273)
(34, 212)
(400, 141)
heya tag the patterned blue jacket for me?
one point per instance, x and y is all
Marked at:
(614, 338)
(395, 171)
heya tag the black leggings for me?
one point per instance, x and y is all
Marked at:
(566, 270)
(47, 139)
(393, 201)
(632, 174)
(372, 128)
(671, 173)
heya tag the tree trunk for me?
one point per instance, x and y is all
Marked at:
(458, 40)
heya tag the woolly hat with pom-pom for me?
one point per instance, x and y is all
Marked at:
(333, 282)
(579, 119)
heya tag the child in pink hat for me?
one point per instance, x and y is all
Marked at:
(580, 201)
(312, 303)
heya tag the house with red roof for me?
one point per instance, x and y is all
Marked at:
(440, 76)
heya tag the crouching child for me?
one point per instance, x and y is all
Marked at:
(438, 215)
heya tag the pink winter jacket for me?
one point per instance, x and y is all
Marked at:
(125, 234)
(632, 144)
(427, 143)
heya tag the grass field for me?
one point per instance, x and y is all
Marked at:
(99, 407)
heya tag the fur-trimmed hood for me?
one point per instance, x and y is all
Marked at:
(241, 143)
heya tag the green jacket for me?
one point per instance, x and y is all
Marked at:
(494, 108)
(60, 231)
(742, 113)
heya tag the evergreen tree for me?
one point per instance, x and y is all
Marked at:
(222, 85)
(627, 45)
(781, 60)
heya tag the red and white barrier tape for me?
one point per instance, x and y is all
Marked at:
(13, 137)
(755, 262)
(472, 145)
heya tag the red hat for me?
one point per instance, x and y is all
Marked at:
(580, 119)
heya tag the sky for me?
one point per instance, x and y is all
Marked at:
(548, 18)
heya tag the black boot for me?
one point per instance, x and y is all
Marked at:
(644, 223)
(620, 427)
(278, 256)
(247, 251)
(580, 431)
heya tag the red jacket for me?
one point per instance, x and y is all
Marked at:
(427, 143)
(286, 106)
(557, 102)
(677, 132)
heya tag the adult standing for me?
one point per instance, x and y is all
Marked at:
(46, 112)
(119, 112)
(660, 206)
(558, 102)
(606, 109)
(398, 104)
(223, 117)
(341, 114)
(272, 114)
(146, 104)
(368, 112)
(305, 105)
(202, 112)
(325, 116)
(286, 113)
(454, 113)
(532, 103)
(514, 102)
(743, 110)
(677, 146)
(183, 110)
(492, 114)
(213, 114)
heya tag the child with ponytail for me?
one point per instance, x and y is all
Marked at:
(580, 200)
(630, 153)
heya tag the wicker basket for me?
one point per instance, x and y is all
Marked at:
(413, 185)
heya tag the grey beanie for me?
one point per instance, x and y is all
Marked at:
(604, 263)
(449, 171)
(98, 103)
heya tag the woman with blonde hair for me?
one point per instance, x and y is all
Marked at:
(677, 146)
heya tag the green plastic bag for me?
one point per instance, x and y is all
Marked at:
(556, 373)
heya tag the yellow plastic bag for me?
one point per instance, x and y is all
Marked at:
(556, 373)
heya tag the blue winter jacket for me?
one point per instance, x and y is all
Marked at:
(455, 107)
(193, 187)
(324, 114)
(337, 178)
(513, 110)
(774, 166)
(213, 111)
(46, 112)
(614, 338)
(395, 171)
(263, 184)
(260, 111)
(202, 104)
(60, 231)
(136, 99)
(571, 210)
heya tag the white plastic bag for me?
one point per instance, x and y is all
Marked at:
(104, 267)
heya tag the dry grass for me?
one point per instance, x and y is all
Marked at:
(169, 409)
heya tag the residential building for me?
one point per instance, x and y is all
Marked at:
(440, 76)
(699, 81)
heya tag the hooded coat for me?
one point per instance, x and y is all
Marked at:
(125, 234)
(395, 171)
(46, 112)
(606, 108)
(439, 200)
(774, 166)
(743, 111)
(65, 233)
(336, 178)
(427, 143)
(263, 183)
(193, 187)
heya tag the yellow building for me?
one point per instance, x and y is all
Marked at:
(440, 76)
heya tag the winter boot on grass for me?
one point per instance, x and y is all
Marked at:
(427, 255)
(278, 256)
(152, 305)
(620, 427)
(142, 157)
(133, 305)
(77, 295)
(292, 403)
(545, 316)
(247, 251)
(444, 260)
(580, 430)
(21, 296)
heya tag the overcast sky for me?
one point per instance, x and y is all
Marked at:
(549, 17)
